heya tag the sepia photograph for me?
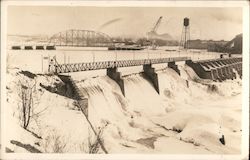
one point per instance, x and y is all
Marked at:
(125, 80)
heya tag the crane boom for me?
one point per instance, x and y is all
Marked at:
(152, 34)
(157, 24)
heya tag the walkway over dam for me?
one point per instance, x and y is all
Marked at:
(214, 69)
(112, 66)
(78, 67)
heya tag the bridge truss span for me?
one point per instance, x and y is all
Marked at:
(78, 67)
(80, 38)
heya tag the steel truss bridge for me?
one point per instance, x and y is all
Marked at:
(78, 67)
(80, 38)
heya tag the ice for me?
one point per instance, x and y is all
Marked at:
(186, 117)
(200, 116)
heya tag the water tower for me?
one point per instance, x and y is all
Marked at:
(185, 35)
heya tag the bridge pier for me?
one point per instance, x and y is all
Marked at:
(233, 70)
(199, 69)
(238, 68)
(76, 93)
(230, 71)
(227, 72)
(224, 70)
(152, 75)
(174, 67)
(16, 47)
(116, 76)
(222, 73)
(39, 47)
(215, 75)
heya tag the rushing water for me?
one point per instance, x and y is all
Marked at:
(200, 114)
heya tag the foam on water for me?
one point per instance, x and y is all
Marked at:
(201, 115)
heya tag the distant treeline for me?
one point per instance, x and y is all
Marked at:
(145, 42)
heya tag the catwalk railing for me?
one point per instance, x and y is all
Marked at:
(78, 67)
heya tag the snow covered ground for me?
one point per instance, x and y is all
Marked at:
(57, 116)
(187, 117)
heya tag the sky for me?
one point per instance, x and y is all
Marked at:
(135, 22)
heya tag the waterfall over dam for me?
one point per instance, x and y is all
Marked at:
(182, 105)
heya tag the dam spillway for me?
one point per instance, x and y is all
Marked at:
(214, 69)
(217, 69)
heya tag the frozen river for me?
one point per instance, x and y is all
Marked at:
(37, 60)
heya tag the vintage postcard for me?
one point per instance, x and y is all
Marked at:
(125, 80)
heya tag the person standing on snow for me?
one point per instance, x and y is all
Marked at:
(52, 66)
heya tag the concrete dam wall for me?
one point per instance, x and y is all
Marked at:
(217, 69)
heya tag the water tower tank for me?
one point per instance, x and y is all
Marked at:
(186, 22)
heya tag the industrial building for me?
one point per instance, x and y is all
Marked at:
(234, 46)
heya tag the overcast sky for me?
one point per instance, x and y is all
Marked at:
(205, 23)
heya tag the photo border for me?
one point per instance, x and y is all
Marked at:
(245, 80)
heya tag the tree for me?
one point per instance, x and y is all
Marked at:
(26, 105)
(54, 143)
(94, 143)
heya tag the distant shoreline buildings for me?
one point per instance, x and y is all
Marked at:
(234, 46)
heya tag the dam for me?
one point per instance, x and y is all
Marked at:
(213, 69)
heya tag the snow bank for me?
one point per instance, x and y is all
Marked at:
(203, 117)
(55, 119)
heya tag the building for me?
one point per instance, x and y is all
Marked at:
(205, 44)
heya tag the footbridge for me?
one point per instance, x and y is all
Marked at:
(78, 67)
(214, 69)
(112, 68)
